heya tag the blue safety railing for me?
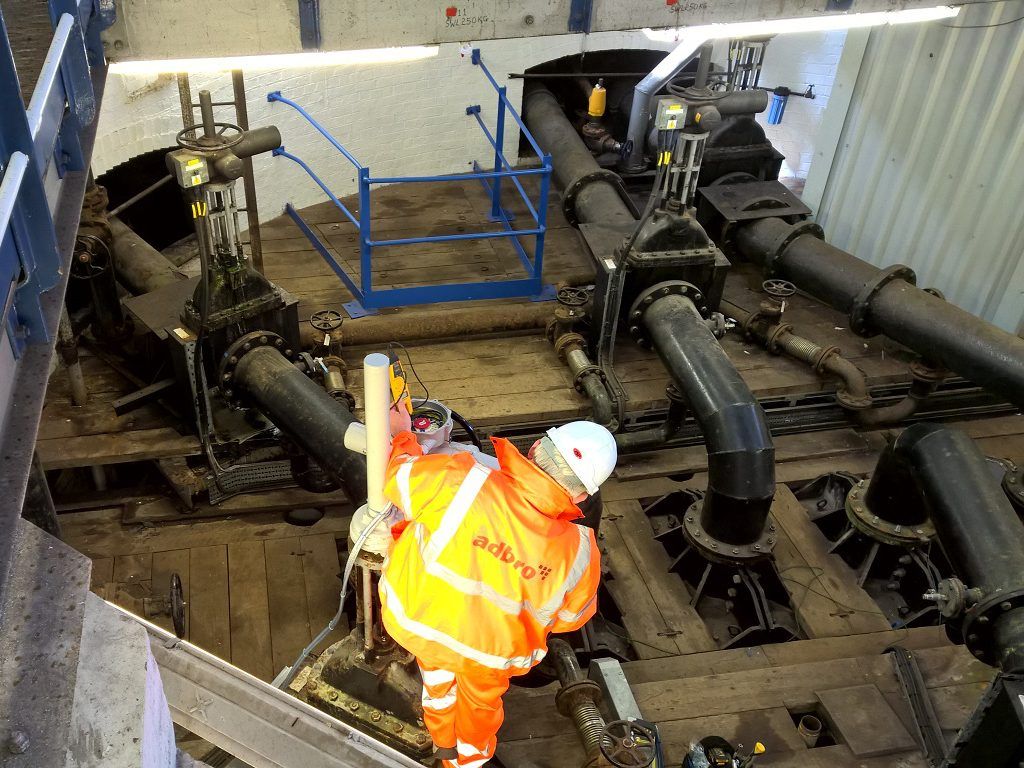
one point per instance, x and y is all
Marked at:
(369, 299)
(45, 151)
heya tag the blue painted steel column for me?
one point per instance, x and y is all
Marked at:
(542, 213)
(580, 12)
(309, 24)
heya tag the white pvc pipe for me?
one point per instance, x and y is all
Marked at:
(376, 407)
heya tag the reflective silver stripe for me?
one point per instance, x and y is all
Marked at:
(473, 763)
(439, 703)
(465, 749)
(569, 618)
(468, 586)
(579, 567)
(402, 479)
(436, 676)
(434, 635)
(456, 512)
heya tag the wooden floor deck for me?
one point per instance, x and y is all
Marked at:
(258, 588)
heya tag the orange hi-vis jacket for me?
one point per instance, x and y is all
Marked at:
(488, 563)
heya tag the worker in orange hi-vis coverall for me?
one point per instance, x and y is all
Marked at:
(486, 564)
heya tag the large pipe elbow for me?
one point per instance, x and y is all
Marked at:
(741, 456)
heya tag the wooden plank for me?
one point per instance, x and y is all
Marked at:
(321, 570)
(822, 588)
(861, 718)
(164, 565)
(100, 533)
(286, 595)
(209, 618)
(117, 448)
(655, 602)
(250, 611)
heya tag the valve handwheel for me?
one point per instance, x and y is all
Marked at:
(627, 744)
(326, 320)
(199, 145)
(571, 296)
(780, 289)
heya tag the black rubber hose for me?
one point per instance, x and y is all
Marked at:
(741, 457)
(311, 418)
(976, 525)
(932, 327)
(468, 428)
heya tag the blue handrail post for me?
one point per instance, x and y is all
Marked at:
(499, 140)
(544, 293)
(365, 257)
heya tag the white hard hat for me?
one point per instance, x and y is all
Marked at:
(589, 450)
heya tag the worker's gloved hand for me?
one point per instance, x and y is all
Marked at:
(401, 419)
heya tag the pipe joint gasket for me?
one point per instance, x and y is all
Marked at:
(861, 308)
(771, 341)
(563, 343)
(578, 185)
(719, 551)
(875, 527)
(244, 345)
(648, 296)
(580, 692)
(779, 246)
(927, 372)
(980, 619)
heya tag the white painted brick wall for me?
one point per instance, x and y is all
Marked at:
(796, 61)
(409, 118)
(403, 119)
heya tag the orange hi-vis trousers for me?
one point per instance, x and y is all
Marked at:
(463, 712)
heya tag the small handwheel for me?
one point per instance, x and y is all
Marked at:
(176, 602)
(780, 289)
(198, 145)
(326, 320)
(571, 296)
(627, 744)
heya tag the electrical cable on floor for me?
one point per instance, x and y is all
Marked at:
(288, 674)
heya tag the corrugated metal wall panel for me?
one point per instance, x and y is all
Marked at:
(930, 166)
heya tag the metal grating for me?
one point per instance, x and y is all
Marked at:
(928, 169)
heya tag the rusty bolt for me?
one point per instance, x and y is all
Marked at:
(421, 739)
(397, 727)
(353, 705)
(375, 716)
(1006, 605)
(278, 342)
(333, 695)
(232, 360)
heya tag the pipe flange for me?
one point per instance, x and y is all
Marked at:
(242, 346)
(578, 185)
(1013, 484)
(591, 369)
(979, 621)
(772, 339)
(574, 694)
(879, 529)
(719, 551)
(927, 372)
(566, 340)
(657, 291)
(780, 245)
(859, 323)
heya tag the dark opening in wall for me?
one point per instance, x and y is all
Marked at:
(161, 218)
(622, 69)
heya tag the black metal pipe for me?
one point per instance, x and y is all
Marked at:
(654, 437)
(976, 525)
(741, 457)
(598, 200)
(311, 418)
(930, 326)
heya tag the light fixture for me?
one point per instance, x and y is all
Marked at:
(276, 61)
(805, 24)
